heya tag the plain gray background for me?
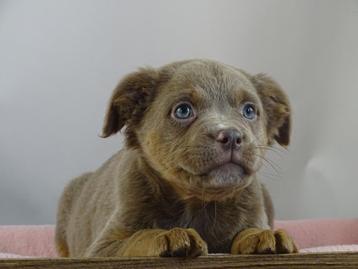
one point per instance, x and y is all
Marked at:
(60, 60)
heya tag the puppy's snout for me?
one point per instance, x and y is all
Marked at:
(229, 138)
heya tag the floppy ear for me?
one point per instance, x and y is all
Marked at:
(277, 108)
(129, 100)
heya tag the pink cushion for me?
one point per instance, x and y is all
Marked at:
(31, 240)
(321, 232)
(310, 235)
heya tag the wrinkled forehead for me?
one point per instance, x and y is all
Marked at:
(215, 82)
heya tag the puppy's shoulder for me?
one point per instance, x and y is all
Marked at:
(120, 161)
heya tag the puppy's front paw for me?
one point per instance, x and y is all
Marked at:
(176, 242)
(179, 242)
(259, 241)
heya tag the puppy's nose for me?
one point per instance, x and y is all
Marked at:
(229, 138)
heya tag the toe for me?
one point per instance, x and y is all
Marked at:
(178, 242)
(245, 242)
(267, 242)
(284, 243)
(198, 246)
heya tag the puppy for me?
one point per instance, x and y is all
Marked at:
(185, 183)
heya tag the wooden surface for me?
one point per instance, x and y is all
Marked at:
(325, 260)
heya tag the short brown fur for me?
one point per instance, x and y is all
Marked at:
(164, 193)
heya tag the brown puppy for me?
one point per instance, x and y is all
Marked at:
(185, 183)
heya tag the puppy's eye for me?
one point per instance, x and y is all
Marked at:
(183, 111)
(249, 111)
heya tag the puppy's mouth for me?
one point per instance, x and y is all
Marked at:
(223, 174)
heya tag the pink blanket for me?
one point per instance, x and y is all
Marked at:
(321, 232)
(310, 235)
(29, 240)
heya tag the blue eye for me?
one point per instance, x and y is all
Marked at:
(249, 111)
(183, 111)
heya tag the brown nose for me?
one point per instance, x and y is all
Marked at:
(229, 138)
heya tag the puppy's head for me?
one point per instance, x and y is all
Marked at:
(203, 126)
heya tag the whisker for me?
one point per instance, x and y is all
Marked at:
(214, 214)
(267, 175)
(271, 149)
(271, 163)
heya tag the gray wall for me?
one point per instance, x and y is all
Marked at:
(59, 61)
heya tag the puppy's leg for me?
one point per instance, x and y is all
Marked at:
(176, 242)
(260, 241)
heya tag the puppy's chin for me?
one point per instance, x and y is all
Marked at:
(223, 176)
(216, 183)
(219, 177)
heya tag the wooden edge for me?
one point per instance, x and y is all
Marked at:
(311, 260)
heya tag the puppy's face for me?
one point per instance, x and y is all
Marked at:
(203, 126)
